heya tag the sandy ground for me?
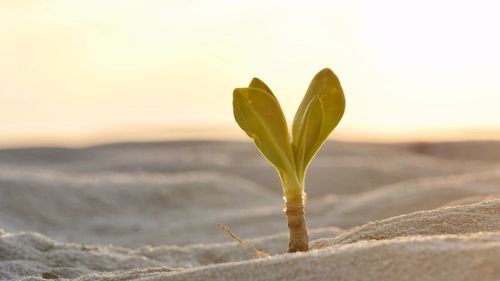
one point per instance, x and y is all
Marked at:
(149, 211)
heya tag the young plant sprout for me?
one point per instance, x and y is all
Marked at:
(259, 114)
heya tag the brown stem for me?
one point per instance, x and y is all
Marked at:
(295, 216)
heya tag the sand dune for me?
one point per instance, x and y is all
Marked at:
(340, 168)
(409, 196)
(479, 217)
(141, 207)
(449, 257)
(384, 249)
(149, 211)
(33, 254)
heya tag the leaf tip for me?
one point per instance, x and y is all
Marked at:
(256, 80)
(327, 73)
(259, 84)
(326, 70)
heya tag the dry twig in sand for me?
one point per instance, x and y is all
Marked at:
(245, 244)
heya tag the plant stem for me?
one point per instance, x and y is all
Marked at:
(295, 216)
(293, 189)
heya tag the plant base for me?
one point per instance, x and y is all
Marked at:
(299, 239)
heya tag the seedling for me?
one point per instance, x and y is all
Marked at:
(259, 114)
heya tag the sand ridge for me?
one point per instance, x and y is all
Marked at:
(149, 211)
(448, 257)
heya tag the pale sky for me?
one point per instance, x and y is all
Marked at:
(73, 72)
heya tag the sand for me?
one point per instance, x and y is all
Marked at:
(149, 211)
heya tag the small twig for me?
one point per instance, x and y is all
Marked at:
(245, 244)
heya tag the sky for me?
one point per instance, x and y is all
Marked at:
(77, 72)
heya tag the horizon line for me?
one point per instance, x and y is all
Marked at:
(186, 133)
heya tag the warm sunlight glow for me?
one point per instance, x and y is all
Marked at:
(70, 70)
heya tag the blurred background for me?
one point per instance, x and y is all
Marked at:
(85, 72)
(116, 128)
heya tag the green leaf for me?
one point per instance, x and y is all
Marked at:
(259, 114)
(318, 114)
(310, 125)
